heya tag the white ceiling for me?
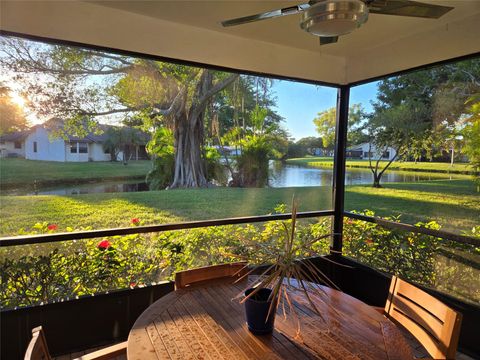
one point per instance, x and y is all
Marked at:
(380, 29)
(191, 30)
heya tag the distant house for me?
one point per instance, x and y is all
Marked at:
(228, 150)
(38, 143)
(362, 151)
(13, 144)
(321, 152)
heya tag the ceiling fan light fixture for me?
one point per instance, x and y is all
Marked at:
(334, 17)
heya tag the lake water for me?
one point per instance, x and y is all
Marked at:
(281, 175)
(293, 175)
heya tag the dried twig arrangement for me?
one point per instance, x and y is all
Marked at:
(291, 269)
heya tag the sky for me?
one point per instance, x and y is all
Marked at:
(299, 103)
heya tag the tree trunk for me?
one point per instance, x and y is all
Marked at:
(377, 175)
(125, 154)
(189, 167)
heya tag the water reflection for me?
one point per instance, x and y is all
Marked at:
(93, 188)
(292, 175)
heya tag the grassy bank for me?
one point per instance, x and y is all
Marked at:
(455, 204)
(21, 172)
(460, 168)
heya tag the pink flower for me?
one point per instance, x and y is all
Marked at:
(135, 221)
(52, 227)
(104, 244)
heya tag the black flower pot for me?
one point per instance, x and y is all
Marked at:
(256, 309)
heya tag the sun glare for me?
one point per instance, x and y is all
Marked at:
(17, 99)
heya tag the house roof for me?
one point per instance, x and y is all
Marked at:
(15, 136)
(191, 31)
(91, 137)
(359, 147)
(97, 137)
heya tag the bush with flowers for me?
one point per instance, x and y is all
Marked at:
(49, 272)
(41, 273)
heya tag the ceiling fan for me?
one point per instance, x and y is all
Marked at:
(329, 19)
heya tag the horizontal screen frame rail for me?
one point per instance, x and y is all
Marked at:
(464, 239)
(80, 235)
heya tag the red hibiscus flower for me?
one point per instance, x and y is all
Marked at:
(369, 242)
(104, 244)
(52, 227)
(133, 284)
(135, 221)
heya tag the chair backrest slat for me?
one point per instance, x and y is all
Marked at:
(37, 348)
(435, 325)
(424, 318)
(189, 277)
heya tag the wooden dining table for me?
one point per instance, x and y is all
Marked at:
(204, 322)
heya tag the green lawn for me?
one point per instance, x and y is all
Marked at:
(21, 172)
(460, 168)
(455, 204)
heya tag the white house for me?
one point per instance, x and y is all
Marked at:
(361, 151)
(38, 143)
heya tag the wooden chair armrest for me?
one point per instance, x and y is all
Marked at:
(107, 353)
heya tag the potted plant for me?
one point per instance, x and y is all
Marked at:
(290, 268)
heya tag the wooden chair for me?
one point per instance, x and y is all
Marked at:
(432, 323)
(189, 277)
(38, 349)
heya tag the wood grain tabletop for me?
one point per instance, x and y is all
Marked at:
(203, 322)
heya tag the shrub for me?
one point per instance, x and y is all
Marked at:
(449, 266)
(409, 255)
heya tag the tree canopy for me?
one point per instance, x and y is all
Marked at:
(421, 113)
(325, 124)
(197, 105)
(441, 92)
(121, 139)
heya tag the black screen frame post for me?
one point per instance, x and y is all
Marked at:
(338, 186)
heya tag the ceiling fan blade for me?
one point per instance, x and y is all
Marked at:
(267, 15)
(407, 8)
(324, 40)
